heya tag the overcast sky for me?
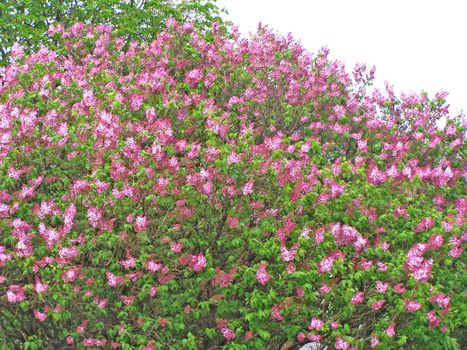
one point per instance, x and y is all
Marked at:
(415, 45)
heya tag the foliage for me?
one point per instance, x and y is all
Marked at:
(208, 193)
(27, 21)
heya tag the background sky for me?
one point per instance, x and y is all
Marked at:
(415, 45)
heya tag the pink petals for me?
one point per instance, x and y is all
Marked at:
(261, 275)
(113, 280)
(15, 293)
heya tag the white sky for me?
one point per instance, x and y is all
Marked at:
(415, 45)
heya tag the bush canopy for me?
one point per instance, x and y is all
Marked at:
(205, 191)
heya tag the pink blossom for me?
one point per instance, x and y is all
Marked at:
(232, 222)
(324, 289)
(128, 263)
(377, 304)
(198, 262)
(141, 223)
(357, 298)
(248, 188)
(112, 280)
(176, 247)
(15, 293)
(316, 324)
(341, 344)
(40, 316)
(101, 303)
(40, 287)
(442, 300)
(127, 300)
(276, 313)
(70, 274)
(412, 305)
(153, 265)
(433, 321)
(261, 275)
(227, 333)
(67, 253)
(326, 264)
(381, 287)
(152, 291)
(314, 337)
(391, 330)
(94, 216)
(374, 342)
(399, 288)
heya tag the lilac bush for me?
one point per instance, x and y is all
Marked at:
(208, 192)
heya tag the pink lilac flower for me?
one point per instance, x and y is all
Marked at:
(152, 291)
(261, 275)
(399, 288)
(357, 298)
(316, 324)
(112, 280)
(198, 262)
(412, 305)
(442, 300)
(381, 266)
(324, 289)
(436, 241)
(40, 287)
(433, 321)
(15, 293)
(128, 263)
(288, 255)
(71, 274)
(381, 287)
(248, 188)
(377, 304)
(223, 279)
(325, 265)
(276, 313)
(68, 252)
(290, 268)
(391, 330)
(232, 222)
(127, 300)
(319, 235)
(341, 344)
(94, 216)
(176, 247)
(141, 223)
(365, 264)
(16, 51)
(153, 265)
(424, 224)
(101, 303)
(374, 342)
(40, 316)
(227, 333)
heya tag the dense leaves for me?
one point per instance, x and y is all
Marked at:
(27, 21)
(212, 192)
